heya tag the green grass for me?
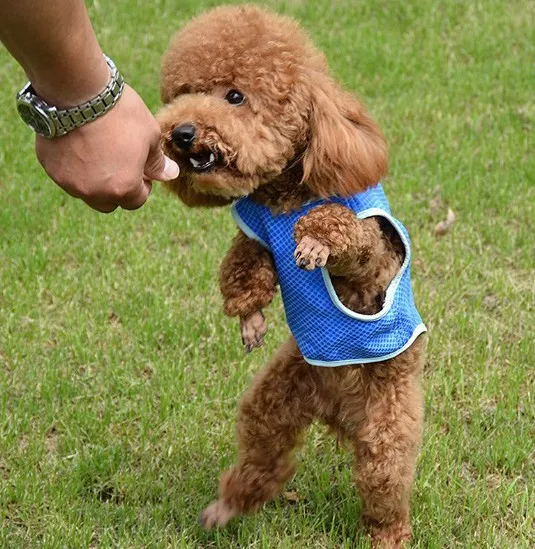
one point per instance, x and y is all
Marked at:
(120, 377)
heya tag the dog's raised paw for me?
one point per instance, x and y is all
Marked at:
(253, 330)
(216, 515)
(310, 254)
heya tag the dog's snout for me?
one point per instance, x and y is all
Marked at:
(183, 136)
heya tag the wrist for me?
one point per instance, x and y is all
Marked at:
(73, 79)
(52, 121)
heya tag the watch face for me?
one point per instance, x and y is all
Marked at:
(36, 119)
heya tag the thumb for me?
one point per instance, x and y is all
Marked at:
(159, 166)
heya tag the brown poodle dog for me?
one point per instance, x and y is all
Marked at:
(252, 112)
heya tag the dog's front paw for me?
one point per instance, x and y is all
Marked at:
(216, 515)
(310, 253)
(253, 330)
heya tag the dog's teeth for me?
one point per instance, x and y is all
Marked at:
(199, 163)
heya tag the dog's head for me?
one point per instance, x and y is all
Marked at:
(247, 97)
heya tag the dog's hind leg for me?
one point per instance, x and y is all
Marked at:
(273, 416)
(386, 446)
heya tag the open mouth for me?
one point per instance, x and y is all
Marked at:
(202, 161)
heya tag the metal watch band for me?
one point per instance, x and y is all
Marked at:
(66, 120)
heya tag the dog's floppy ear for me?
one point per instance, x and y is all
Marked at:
(346, 152)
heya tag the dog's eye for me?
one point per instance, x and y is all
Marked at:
(235, 97)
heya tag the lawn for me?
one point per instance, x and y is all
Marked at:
(120, 377)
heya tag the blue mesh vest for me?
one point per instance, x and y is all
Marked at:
(327, 332)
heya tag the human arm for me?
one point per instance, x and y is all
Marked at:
(111, 161)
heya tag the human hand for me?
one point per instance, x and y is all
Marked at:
(110, 162)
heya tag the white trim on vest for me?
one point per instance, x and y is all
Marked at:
(245, 228)
(394, 283)
(420, 329)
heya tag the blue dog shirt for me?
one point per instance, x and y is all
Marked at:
(327, 332)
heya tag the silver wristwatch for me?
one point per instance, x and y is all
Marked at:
(50, 121)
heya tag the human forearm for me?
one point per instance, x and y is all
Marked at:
(111, 160)
(56, 45)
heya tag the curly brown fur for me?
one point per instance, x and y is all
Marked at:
(247, 277)
(294, 113)
(297, 136)
(364, 255)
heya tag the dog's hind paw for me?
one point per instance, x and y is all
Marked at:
(253, 330)
(310, 254)
(216, 515)
(395, 536)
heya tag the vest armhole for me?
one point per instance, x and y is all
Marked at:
(245, 228)
(392, 287)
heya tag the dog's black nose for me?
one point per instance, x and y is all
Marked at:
(183, 136)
